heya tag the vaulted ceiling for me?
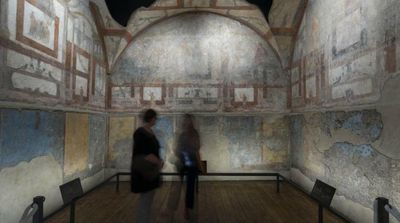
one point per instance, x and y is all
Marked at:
(121, 10)
(277, 21)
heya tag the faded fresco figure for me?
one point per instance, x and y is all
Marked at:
(188, 151)
(146, 166)
(39, 29)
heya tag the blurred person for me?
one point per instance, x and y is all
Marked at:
(174, 195)
(146, 166)
(188, 151)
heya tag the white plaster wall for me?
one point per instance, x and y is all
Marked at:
(347, 207)
(40, 177)
(91, 182)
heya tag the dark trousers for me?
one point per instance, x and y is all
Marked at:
(191, 176)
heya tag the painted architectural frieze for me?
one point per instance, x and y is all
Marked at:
(200, 69)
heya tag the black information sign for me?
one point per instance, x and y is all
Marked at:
(323, 193)
(71, 190)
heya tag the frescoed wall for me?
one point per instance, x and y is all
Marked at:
(199, 62)
(54, 56)
(345, 61)
(76, 143)
(350, 151)
(228, 143)
(51, 59)
(37, 156)
(51, 55)
(120, 142)
(239, 10)
(314, 91)
(31, 153)
(345, 54)
(284, 19)
(204, 62)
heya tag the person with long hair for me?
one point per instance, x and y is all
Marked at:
(188, 151)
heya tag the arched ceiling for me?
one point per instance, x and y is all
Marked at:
(192, 44)
(239, 10)
(280, 32)
(121, 10)
(203, 58)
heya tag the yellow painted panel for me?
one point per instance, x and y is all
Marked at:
(270, 157)
(76, 143)
(121, 128)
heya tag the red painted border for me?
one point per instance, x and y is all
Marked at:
(30, 42)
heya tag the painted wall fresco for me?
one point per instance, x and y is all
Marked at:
(346, 57)
(31, 160)
(199, 62)
(263, 144)
(119, 154)
(117, 38)
(36, 156)
(52, 55)
(239, 10)
(251, 146)
(346, 54)
(76, 143)
(113, 35)
(97, 142)
(284, 19)
(283, 13)
(353, 46)
(345, 150)
(85, 145)
(25, 135)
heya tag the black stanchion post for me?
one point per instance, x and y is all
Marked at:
(117, 182)
(320, 213)
(72, 212)
(38, 216)
(381, 215)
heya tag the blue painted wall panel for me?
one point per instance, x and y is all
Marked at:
(25, 135)
(97, 141)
